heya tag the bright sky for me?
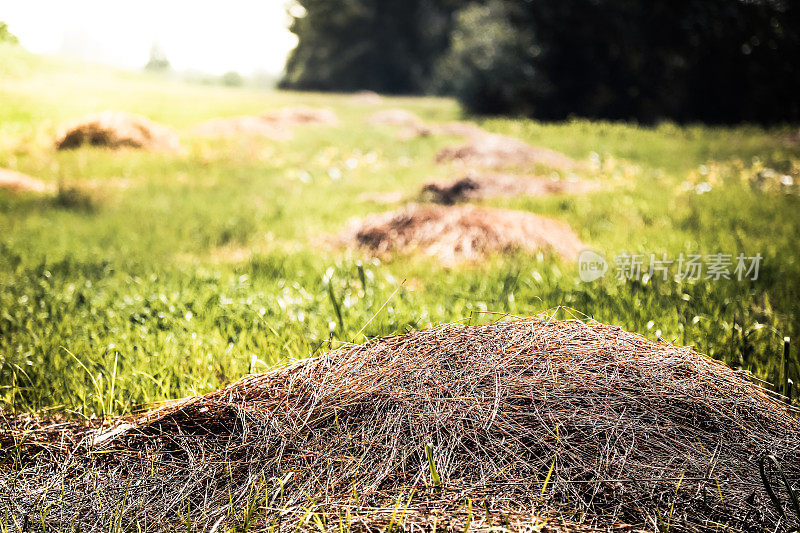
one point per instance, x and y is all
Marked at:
(214, 37)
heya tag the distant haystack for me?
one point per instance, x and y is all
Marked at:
(299, 115)
(395, 117)
(390, 197)
(413, 126)
(246, 125)
(114, 129)
(492, 150)
(468, 130)
(478, 186)
(460, 233)
(366, 98)
(13, 181)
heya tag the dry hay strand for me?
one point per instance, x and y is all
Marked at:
(536, 416)
(300, 115)
(16, 182)
(480, 186)
(395, 117)
(492, 150)
(454, 234)
(115, 129)
(245, 125)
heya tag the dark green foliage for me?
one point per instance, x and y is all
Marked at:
(232, 79)
(158, 61)
(6, 36)
(717, 61)
(388, 46)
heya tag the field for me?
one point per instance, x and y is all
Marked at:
(153, 276)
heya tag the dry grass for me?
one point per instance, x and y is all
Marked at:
(492, 150)
(525, 418)
(460, 233)
(476, 186)
(114, 129)
(16, 182)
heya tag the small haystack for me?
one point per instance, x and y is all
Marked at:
(522, 418)
(388, 197)
(245, 125)
(480, 186)
(366, 98)
(300, 115)
(467, 130)
(115, 129)
(492, 150)
(413, 126)
(461, 233)
(11, 180)
(395, 117)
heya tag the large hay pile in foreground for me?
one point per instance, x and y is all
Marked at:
(454, 234)
(543, 417)
(115, 129)
(491, 150)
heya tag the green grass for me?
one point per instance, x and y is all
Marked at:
(129, 295)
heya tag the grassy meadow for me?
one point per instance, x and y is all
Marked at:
(171, 275)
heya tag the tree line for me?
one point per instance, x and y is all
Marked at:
(716, 61)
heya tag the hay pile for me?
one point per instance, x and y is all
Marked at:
(492, 150)
(275, 125)
(300, 115)
(462, 129)
(16, 182)
(115, 129)
(245, 125)
(628, 429)
(480, 186)
(454, 234)
(366, 98)
(396, 117)
(413, 126)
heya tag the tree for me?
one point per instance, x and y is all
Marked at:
(6, 36)
(387, 46)
(232, 79)
(158, 60)
(710, 60)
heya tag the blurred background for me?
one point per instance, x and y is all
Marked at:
(180, 180)
(718, 61)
